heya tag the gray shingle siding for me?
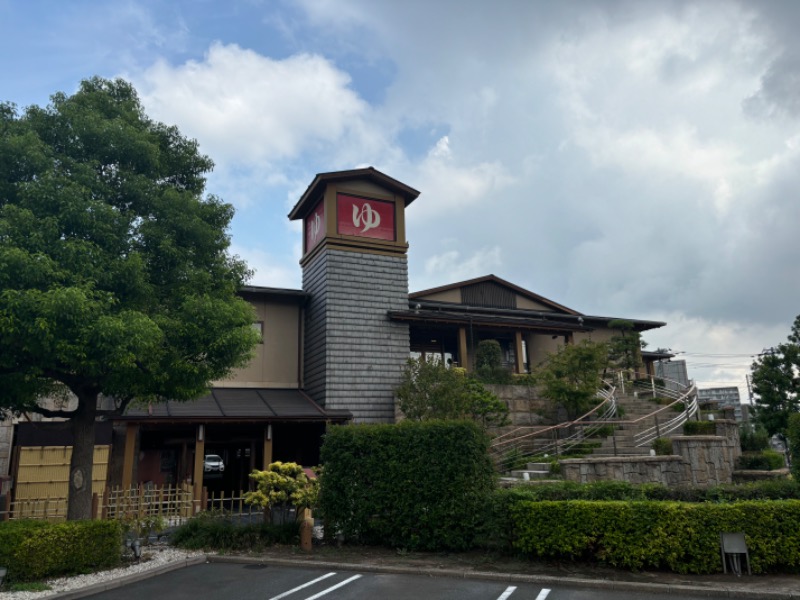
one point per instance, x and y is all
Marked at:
(354, 354)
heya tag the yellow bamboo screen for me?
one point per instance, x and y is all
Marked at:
(44, 471)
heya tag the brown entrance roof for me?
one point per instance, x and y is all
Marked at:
(239, 404)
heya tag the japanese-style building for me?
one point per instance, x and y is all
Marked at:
(334, 351)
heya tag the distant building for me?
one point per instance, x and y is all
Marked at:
(720, 398)
(674, 374)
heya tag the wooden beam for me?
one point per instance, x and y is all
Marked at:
(129, 458)
(199, 458)
(267, 446)
(520, 358)
(463, 354)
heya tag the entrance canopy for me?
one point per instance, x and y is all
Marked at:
(238, 404)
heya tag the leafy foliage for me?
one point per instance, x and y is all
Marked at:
(415, 485)
(753, 439)
(662, 446)
(776, 383)
(699, 428)
(676, 536)
(61, 548)
(282, 483)
(793, 435)
(212, 532)
(431, 390)
(572, 376)
(624, 349)
(489, 363)
(114, 266)
(764, 460)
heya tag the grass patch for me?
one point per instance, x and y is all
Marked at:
(28, 586)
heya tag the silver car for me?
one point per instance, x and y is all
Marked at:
(213, 462)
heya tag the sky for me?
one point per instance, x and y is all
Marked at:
(630, 159)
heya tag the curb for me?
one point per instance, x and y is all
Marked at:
(133, 578)
(598, 584)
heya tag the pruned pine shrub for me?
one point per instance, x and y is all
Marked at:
(414, 485)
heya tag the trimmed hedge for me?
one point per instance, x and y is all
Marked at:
(677, 536)
(700, 428)
(620, 490)
(35, 550)
(765, 460)
(415, 485)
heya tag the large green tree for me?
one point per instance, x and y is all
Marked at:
(776, 383)
(115, 277)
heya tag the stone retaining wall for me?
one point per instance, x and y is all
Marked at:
(699, 460)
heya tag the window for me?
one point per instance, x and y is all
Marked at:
(259, 327)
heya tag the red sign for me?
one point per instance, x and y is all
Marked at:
(315, 226)
(365, 217)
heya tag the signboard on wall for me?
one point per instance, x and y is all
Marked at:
(315, 226)
(365, 217)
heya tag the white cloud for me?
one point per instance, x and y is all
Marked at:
(453, 265)
(248, 109)
(269, 271)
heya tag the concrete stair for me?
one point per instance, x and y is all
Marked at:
(533, 471)
(635, 407)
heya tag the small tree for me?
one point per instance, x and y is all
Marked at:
(431, 390)
(572, 377)
(282, 484)
(776, 383)
(489, 363)
(625, 348)
(793, 435)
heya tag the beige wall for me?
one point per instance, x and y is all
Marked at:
(446, 296)
(540, 345)
(598, 335)
(275, 362)
(528, 304)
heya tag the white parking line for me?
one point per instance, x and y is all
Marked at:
(300, 587)
(543, 594)
(509, 590)
(333, 587)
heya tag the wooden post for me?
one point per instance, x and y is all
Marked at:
(95, 506)
(267, 446)
(520, 358)
(463, 353)
(199, 457)
(6, 507)
(131, 433)
(106, 502)
(204, 499)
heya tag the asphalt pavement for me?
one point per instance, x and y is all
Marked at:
(343, 573)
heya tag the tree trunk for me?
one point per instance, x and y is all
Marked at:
(79, 500)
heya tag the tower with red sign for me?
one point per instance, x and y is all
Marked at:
(355, 271)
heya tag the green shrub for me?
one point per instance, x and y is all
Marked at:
(753, 440)
(67, 548)
(766, 460)
(793, 435)
(601, 431)
(620, 490)
(699, 428)
(676, 536)
(489, 363)
(415, 485)
(213, 532)
(662, 446)
(12, 534)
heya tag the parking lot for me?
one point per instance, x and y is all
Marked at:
(226, 581)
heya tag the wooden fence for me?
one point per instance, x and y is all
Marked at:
(175, 504)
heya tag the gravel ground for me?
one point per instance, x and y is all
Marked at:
(151, 559)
